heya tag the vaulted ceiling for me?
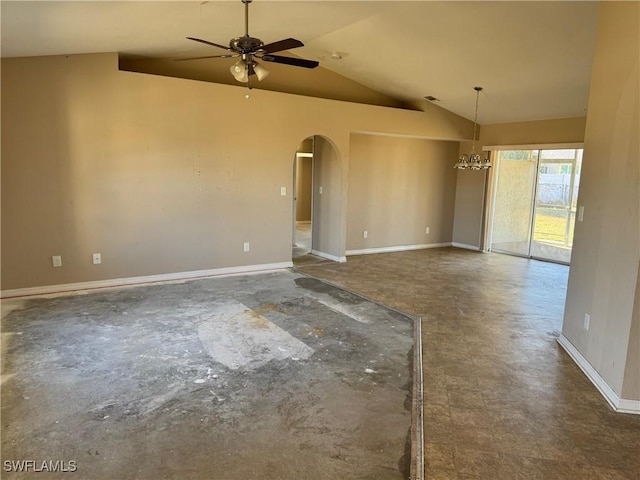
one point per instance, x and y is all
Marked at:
(533, 59)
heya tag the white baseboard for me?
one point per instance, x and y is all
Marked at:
(399, 248)
(618, 404)
(166, 277)
(629, 406)
(328, 256)
(465, 246)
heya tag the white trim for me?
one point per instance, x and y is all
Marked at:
(618, 404)
(399, 248)
(166, 277)
(534, 146)
(328, 256)
(628, 406)
(466, 246)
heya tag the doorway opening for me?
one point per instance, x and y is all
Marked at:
(318, 231)
(535, 202)
(303, 199)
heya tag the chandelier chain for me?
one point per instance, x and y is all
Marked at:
(474, 161)
(475, 120)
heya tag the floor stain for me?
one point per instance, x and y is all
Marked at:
(220, 378)
(322, 287)
(267, 307)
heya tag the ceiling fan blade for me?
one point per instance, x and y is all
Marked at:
(206, 42)
(208, 56)
(296, 62)
(286, 44)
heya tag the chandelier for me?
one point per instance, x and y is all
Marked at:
(474, 161)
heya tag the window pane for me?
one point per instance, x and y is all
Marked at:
(565, 153)
(521, 155)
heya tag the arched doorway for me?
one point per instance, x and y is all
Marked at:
(317, 218)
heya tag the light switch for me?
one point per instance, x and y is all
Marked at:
(283, 191)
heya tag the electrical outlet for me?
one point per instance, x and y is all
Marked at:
(56, 260)
(426, 230)
(587, 320)
(246, 246)
(365, 234)
(97, 259)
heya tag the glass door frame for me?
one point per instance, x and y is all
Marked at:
(491, 191)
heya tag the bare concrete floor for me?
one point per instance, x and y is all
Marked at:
(502, 398)
(272, 376)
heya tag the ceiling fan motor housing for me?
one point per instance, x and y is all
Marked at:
(245, 44)
(250, 48)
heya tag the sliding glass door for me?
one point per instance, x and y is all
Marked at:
(555, 206)
(534, 202)
(513, 201)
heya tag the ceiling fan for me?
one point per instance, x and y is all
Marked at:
(248, 49)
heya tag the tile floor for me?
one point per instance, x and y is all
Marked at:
(302, 245)
(502, 398)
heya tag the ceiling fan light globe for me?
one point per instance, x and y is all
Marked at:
(240, 71)
(260, 71)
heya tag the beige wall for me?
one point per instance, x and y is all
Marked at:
(303, 188)
(560, 130)
(606, 251)
(397, 188)
(631, 384)
(304, 179)
(469, 204)
(329, 198)
(163, 175)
